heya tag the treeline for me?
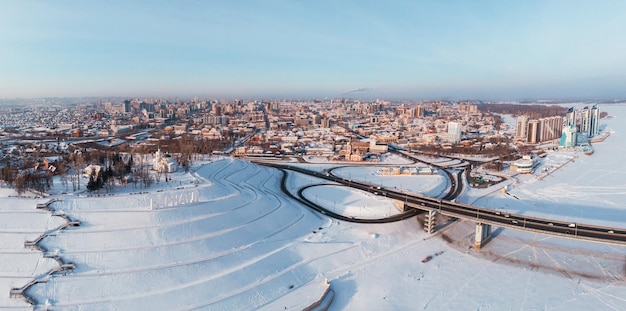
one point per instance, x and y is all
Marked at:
(31, 179)
(123, 168)
(106, 169)
(110, 167)
(122, 164)
(185, 149)
(533, 111)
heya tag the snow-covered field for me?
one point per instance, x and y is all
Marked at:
(430, 185)
(225, 237)
(345, 201)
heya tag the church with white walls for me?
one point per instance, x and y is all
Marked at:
(164, 163)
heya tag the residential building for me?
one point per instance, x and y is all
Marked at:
(522, 127)
(454, 132)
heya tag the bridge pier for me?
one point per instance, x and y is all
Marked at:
(430, 222)
(483, 235)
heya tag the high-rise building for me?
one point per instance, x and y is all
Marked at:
(211, 119)
(127, 106)
(419, 111)
(594, 121)
(522, 126)
(585, 120)
(325, 123)
(454, 132)
(147, 107)
(550, 128)
(217, 110)
(569, 136)
(533, 132)
(571, 116)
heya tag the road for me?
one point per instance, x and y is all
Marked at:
(467, 212)
(300, 198)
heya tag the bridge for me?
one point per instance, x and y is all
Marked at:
(483, 217)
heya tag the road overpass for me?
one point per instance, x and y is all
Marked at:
(483, 217)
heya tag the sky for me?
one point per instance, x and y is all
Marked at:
(378, 49)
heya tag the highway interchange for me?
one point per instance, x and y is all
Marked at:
(415, 204)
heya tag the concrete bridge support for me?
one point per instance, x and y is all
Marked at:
(483, 235)
(430, 222)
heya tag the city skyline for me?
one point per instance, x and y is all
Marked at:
(403, 49)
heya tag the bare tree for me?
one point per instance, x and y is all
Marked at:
(20, 183)
(158, 173)
(8, 174)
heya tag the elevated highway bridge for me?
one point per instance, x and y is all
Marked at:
(483, 217)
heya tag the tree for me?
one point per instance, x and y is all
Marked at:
(7, 174)
(64, 182)
(20, 183)
(119, 171)
(76, 167)
(129, 165)
(109, 179)
(92, 184)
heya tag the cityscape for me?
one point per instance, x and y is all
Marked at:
(162, 151)
(406, 155)
(47, 138)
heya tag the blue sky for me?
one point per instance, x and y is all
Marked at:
(392, 49)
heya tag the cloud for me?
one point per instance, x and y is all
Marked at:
(358, 90)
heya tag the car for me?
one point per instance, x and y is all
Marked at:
(515, 221)
(611, 231)
(572, 225)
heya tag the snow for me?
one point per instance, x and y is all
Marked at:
(225, 237)
(576, 187)
(347, 202)
(430, 185)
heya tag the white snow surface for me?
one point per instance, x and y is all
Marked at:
(347, 202)
(430, 185)
(232, 240)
